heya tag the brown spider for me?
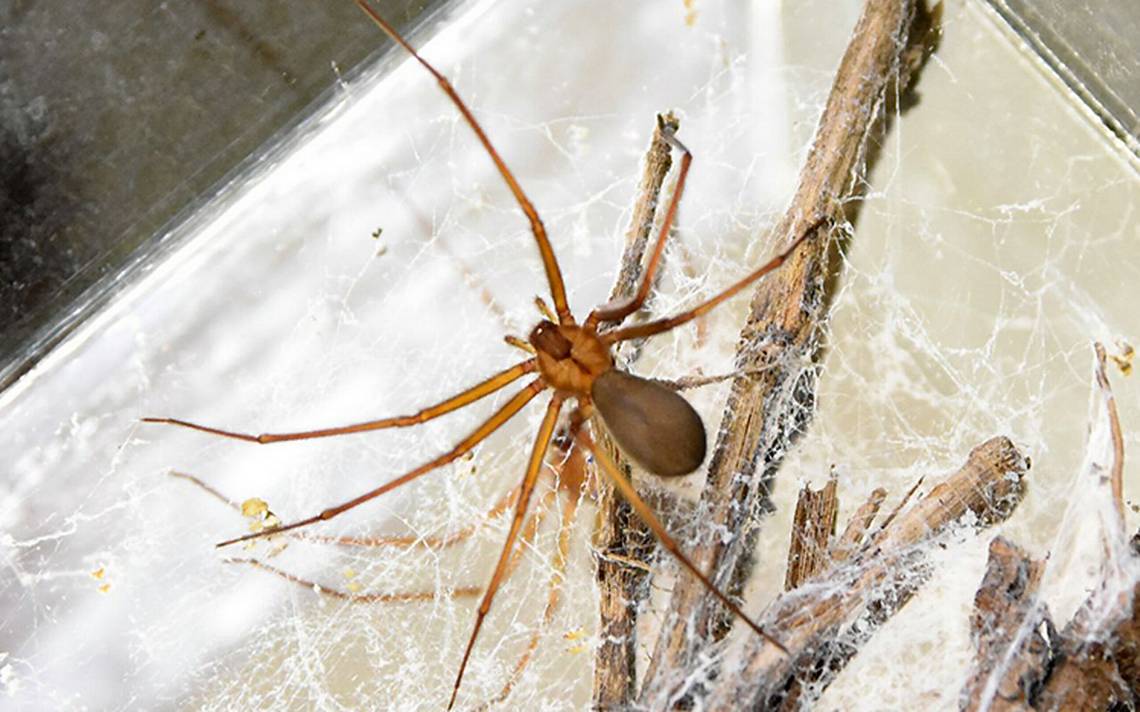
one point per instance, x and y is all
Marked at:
(651, 423)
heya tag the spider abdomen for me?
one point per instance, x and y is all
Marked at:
(652, 424)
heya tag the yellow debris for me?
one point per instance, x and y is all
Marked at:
(690, 13)
(254, 507)
(1124, 360)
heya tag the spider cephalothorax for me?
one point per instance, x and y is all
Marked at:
(570, 357)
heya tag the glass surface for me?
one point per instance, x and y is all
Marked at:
(996, 245)
(1094, 47)
(122, 118)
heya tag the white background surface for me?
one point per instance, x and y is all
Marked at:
(997, 244)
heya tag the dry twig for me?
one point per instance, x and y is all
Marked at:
(1117, 474)
(812, 529)
(857, 526)
(622, 539)
(783, 335)
(817, 622)
(1012, 633)
(1023, 663)
(1094, 663)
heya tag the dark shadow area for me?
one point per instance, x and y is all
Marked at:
(119, 118)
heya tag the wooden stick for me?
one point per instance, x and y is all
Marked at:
(814, 622)
(1097, 667)
(622, 539)
(858, 526)
(812, 529)
(1117, 475)
(1011, 632)
(1024, 663)
(1094, 663)
(782, 336)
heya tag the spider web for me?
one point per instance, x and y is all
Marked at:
(993, 249)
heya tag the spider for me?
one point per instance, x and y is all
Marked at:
(651, 423)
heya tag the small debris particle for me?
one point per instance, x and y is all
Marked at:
(254, 507)
(1124, 360)
(690, 13)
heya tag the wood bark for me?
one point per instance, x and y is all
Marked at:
(1008, 624)
(623, 545)
(823, 623)
(783, 337)
(1024, 664)
(813, 526)
(1094, 663)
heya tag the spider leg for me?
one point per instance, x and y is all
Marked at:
(431, 542)
(554, 596)
(686, 383)
(514, 405)
(657, 326)
(467, 397)
(626, 489)
(528, 535)
(397, 597)
(544, 308)
(396, 541)
(518, 343)
(616, 311)
(530, 531)
(201, 484)
(537, 457)
(549, 261)
(570, 478)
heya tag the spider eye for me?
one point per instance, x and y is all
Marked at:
(547, 338)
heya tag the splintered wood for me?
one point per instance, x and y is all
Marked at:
(824, 622)
(1006, 610)
(772, 400)
(623, 542)
(1022, 662)
(812, 529)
